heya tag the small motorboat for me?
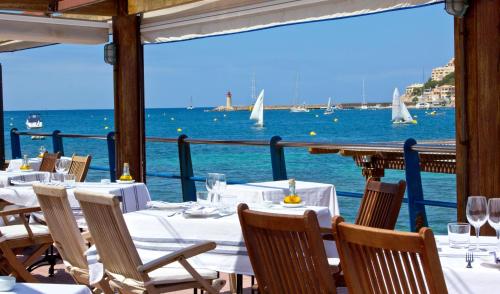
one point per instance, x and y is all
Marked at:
(34, 121)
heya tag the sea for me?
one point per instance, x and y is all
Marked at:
(253, 164)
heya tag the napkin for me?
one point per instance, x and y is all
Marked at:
(200, 210)
(166, 205)
(23, 183)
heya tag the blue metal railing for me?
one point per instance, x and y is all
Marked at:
(415, 197)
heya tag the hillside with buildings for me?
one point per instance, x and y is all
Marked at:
(438, 90)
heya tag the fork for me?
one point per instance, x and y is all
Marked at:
(469, 258)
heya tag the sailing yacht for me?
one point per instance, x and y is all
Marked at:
(258, 111)
(190, 107)
(329, 108)
(400, 114)
(364, 105)
(295, 107)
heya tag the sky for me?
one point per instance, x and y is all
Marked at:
(332, 58)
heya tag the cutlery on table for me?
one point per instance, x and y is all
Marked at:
(469, 258)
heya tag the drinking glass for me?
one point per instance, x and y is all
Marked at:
(210, 184)
(458, 235)
(494, 215)
(62, 166)
(46, 178)
(203, 198)
(228, 203)
(55, 178)
(477, 214)
(69, 180)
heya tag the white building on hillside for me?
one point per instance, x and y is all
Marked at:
(439, 73)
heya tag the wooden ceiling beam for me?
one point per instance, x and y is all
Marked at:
(88, 7)
(25, 5)
(140, 6)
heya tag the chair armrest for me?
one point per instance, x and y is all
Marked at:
(326, 234)
(184, 253)
(18, 209)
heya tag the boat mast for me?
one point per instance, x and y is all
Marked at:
(253, 86)
(363, 93)
(296, 99)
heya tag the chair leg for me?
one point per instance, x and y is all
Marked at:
(17, 267)
(239, 284)
(232, 283)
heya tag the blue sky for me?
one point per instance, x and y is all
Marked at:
(332, 58)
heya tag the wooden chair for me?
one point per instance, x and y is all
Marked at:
(68, 240)
(380, 205)
(79, 167)
(18, 237)
(49, 160)
(121, 260)
(286, 252)
(385, 261)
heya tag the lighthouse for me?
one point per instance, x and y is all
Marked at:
(229, 101)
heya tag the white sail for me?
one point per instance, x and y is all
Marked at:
(329, 105)
(258, 110)
(400, 113)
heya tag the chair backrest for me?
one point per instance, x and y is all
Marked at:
(110, 234)
(62, 225)
(286, 252)
(385, 261)
(49, 160)
(79, 167)
(380, 205)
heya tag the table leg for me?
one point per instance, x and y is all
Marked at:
(232, 283)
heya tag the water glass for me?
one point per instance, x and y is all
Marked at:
(203, 198)
(267, 200)
(459, 235)
(46, 178)
(62, 166)
(228, 203)
(494, 214)
(210, 182)
(221, 184)
(69, 180)
(477, 214)
(55, 178)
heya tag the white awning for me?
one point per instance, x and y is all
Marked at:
(34, 31)
(218, 17)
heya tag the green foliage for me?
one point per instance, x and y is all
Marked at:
(416, 92)
(449, 79)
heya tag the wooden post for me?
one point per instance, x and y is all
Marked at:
(129, 93)
(477, 66)
(2, 139)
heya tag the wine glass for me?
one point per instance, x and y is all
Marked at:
(220, 187)
(210, 184)
(477, 214)
(62, 166)
(494, 215)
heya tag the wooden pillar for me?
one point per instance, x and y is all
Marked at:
(477, 68)
(129, 93)
(2, 138)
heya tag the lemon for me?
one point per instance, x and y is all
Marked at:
(292, 199)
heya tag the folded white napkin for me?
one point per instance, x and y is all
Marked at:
(166, 205)
(23, 183)
(198, 210)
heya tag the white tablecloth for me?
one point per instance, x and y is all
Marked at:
(7, 176)
(313, 194)
(41, 288)
(134, 196)
(155, 233)
(482, 278)
(15, 164)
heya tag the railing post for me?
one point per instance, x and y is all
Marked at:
(418, 217)
(277, 159)
(15, 144)
(186, 169)
(57, 142)
(110, 138)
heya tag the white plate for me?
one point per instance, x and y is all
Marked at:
(125, 182)
(26, 170)
(21, 183)
(292, 205)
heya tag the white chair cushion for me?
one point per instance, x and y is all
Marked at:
(175, 273)
(19, 231)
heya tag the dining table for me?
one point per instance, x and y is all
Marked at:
(34, 162)
(45, 288)
(311, 193)
(7, 176)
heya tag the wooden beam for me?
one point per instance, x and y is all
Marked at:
(26, 5)
(129, 93)
(88, 7)
(477, 53)
(140, 6)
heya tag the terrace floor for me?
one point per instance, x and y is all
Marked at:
(61, 277)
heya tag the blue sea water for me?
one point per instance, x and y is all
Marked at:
(253, 163)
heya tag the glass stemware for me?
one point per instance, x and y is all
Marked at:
(477, 214)
(494, 215)
(62, 166)
(210, 184)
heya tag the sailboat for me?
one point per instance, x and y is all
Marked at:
(190, 107)
(258, 111)
(295, 107)
(329, 108)
(400, 114)
(364, 105)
